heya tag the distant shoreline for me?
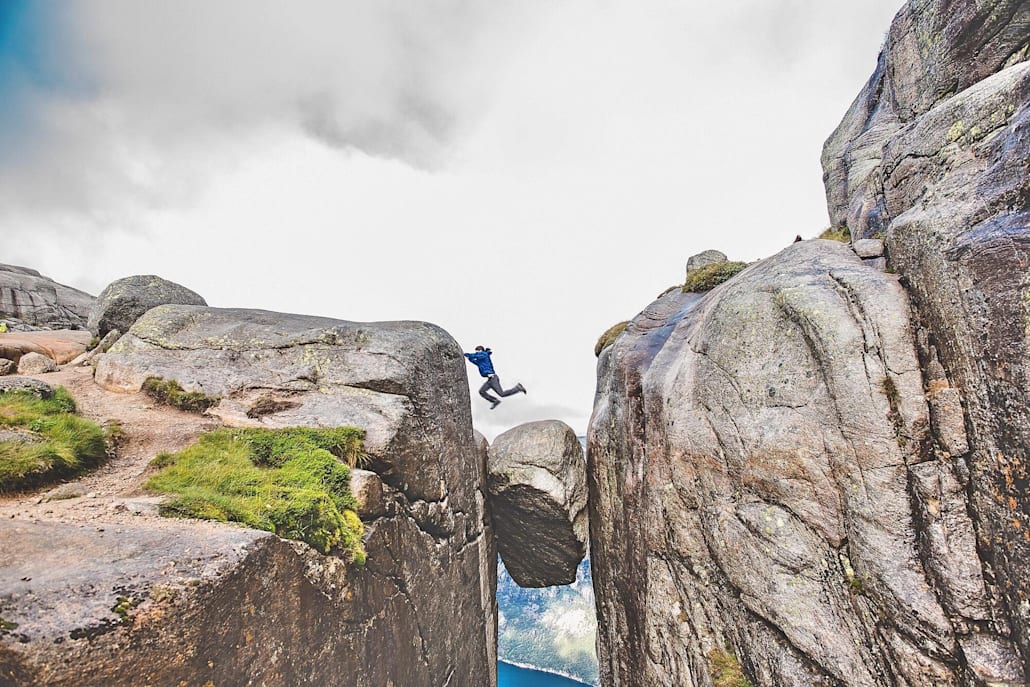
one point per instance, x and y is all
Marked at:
(528, 666)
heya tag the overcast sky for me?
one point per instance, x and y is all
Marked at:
(522, 174)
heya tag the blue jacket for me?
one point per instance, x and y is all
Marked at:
(481, 359)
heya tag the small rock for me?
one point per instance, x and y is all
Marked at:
(949, 423)
(705, 258)
(367, 488)
(33, 386)
(63, 492)
(879, 264)
(35, 364)
(868, 248)
(7, 367)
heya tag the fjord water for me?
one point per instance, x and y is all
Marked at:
(514, 676)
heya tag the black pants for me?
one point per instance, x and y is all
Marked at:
(493, 383)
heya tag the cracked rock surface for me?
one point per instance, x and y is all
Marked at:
(536, 478)
(764, 482)
(28, 300)
(124, 300)
(420, 612)
(934, 155)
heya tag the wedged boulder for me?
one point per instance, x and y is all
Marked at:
(934, 154)
(28, 300)
(36, 364)
(123, 301)
(765, 489)
(61, 345)
(704, 259)
(421, 611)
(538, 499)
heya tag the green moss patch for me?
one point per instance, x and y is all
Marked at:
(726, 670)
(168, 392)
(708, 277)
(842, 234)
(293, 482)
(52, 443)
(609, 336)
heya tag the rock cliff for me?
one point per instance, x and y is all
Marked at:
(209, 603)
(816, 474)
(28, 300)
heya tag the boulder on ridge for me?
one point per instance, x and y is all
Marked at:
(124, 300)
(28, 300)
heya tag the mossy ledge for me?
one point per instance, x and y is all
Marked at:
(708, 277)
(46, 441)
(609, 336)
(842, 234)
(168, 392)
(726, 670)
(294, 482)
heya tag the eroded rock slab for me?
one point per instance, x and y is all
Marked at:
(123, 301)
(538, 498)
(61, 346)
(753, 456)
(29, 300)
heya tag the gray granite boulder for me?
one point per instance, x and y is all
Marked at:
(123, 301)
(31, 301)
(7, 367)
(35, 364)
(538, 499)
(31, 386)
(422, 609)
(705, 258)
(934, 154)
(765, 489)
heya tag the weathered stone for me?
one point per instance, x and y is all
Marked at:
(87, 357)
(425, 597)
(32, 386)
(61, 345)
(705, 258)
(28, 299)
(35, 364)
(72, 490)
(949, 423)
(7, 367)
(868, 248)
(537, 487)
(934, 154)
(878, 264)
(370, 493)
(125, 300)
(753, 456)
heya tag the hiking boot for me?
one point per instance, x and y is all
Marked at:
(494, 404)
(520, 387)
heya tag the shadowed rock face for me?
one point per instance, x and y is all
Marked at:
(125, 300)
(422, 611)
(538, 499)
(934, 154)
(764, 480)
(30, 301)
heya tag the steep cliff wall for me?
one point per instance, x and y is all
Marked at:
(152, 601)
(935, 156)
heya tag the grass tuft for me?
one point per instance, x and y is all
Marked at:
(609, 336)
(57, 443)
(294, 482)
(708, 277)
(842, 234)
(726, 670)
(168, 392)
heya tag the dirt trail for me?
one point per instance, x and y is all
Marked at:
(112, 492)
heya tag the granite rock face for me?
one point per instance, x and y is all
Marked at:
(61, 346)
(934, 155)
(125, 300)
(421, 611)
(28, 300)
(538, 499)
(765, 484)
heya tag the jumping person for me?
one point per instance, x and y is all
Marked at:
(481, 359)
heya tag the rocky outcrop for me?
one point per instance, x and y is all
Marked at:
(125, 300)
(61, 346)
(704, 259)
(933, 156)
(766, 490)
(28, 300)
(421, 611)
(538, 498)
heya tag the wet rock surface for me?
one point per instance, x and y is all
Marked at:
(125, 300)
(28, 300)
(934, 155)
(537, 491)
(764, 483)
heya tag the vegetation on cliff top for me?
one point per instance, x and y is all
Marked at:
(609, 336)
(168, 392)
(708, 277)
(44, 440)
(294, 482)
(842, 234)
